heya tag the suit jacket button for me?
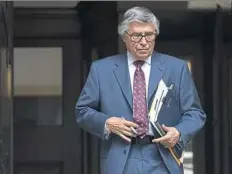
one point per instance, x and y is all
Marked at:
(124, 152)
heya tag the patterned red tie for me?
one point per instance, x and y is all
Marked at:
(139, 99)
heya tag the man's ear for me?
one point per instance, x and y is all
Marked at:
(124, 38)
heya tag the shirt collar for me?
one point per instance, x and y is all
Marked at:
(131, 59)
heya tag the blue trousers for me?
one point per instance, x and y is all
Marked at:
(144, 159)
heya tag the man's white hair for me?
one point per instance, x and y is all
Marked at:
(140, 14)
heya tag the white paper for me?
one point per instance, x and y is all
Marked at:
(157, 102)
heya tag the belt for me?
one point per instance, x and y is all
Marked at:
(145, 140)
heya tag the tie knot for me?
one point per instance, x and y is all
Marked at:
(139, 63)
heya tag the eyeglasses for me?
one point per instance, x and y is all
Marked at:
(136, 37)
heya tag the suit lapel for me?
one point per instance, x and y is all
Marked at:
(156, 73)
(122, 75)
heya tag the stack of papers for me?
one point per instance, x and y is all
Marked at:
(156, 106)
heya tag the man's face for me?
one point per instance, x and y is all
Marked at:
(140, 47)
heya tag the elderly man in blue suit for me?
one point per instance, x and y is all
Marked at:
(118, 93)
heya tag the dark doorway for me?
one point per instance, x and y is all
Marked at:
(47, 81)
(44, 128)
(46, 138)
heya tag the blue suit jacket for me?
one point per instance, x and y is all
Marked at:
(107, 92)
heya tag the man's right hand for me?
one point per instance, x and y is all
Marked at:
(121, 127)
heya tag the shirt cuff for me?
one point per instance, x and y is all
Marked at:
(107, 133)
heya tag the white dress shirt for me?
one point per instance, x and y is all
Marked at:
(146, 70)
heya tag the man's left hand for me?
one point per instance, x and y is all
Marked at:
(170, 139)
